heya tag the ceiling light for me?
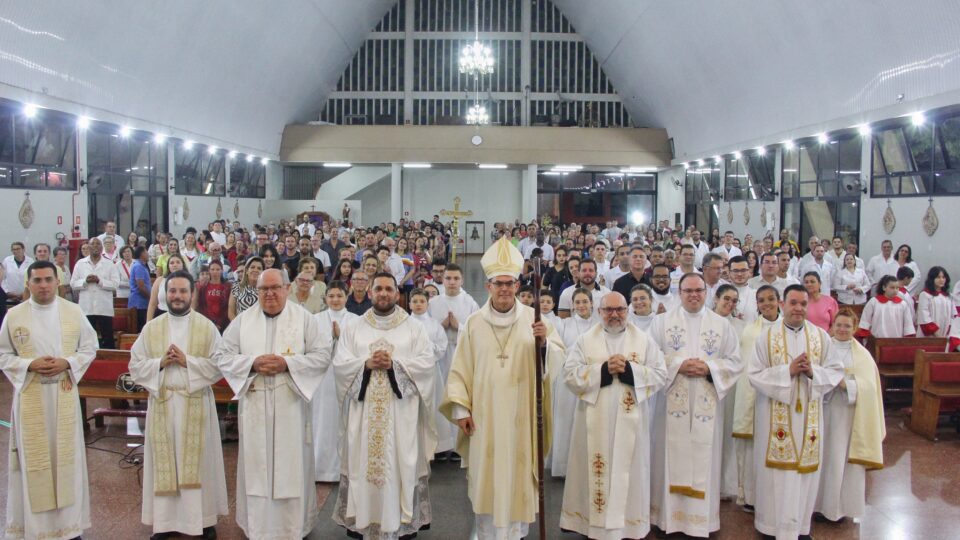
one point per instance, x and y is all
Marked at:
(700, 162)
(125, 131)
(188, 144)
(864, 130)
(249, 158)
(83, 122)
(737, 155)
(477, 115)
(567, 167)
(822, 138)
(211, 150)
(29, 110)
(416, 165)
(232, 154)
(788, 145)
(159, 138)
(337, 165)
(492, 165)
(686, 166)
(263, 161)
(636, 217)
(917, 118)
(717, 158)
(551, 173)
(761, 150)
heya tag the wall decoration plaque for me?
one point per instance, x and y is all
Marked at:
(26, 214)
(236, 209)
(930, 220)
(889, 220)
(746, 213)
(729, 212)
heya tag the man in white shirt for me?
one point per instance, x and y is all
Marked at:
(217, 234)
(394, 263)
(539, 242)
(623, 266)
(821, 266)
(768, 274)
(739, 271)
(111, 230)
(15, 270)
(727, 248)
(836, 252)
(95, 280)
(588, 276)
(701, 248)
(527, 244)
(663, 297)
(712, 268)
(306, 228)
(612, 232)
(688, 254)
(600, 256)
(884, 264)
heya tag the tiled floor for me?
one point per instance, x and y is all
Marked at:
(917, 495)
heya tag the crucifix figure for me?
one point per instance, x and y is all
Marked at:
(456, 214)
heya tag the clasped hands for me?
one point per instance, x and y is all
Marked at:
(801, 364)
(617, 364)
(269, 364)
(48, 366)
(694, 367)
(173, 356)
(380, 360)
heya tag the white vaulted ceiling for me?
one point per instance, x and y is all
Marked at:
(714, 73)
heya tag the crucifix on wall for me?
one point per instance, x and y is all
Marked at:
(456, 214)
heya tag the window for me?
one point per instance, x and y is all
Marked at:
(198, 171)
(917, 161)
(588, 196)
(38, 152)
(248, 177)
(702, 191)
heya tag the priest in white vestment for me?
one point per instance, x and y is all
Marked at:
(274, 357)
(184, 487)
(386, 376)
(491, 396)
(450, 309)
(326, 408)
(702, 353)
(46, 345)
(768, 303)
(853, 425)
(614, 369)
(793, 367)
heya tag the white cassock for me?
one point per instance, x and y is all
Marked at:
(438, 338)
(642, 322)
(938, 309)
(389, 434)
(326, 408)
(606, 495)
(668, 301)
(688, 421)
(463, 305)
(276, 497)
(787, 443)
(564, 400)
(729, 478)
(887, 318)
(184, 487)
(48, 493)
(746, 309)
(842, 484)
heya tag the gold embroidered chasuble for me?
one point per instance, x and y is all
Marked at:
(499, 393)
(48, 489)
(169, 476)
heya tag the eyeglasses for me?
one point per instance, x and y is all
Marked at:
(270, 289)
(693, 291)
(611, 310)
(739, 270)
(502, 284)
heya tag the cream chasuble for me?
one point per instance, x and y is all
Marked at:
(742, 433)
(854, 430)
(495, 384)
(326, 408)
(564, 400)
(389, 436)
(47, 490)
(276, 497)
(787, 420)
(463, 305)
(607, 491)
(688, 423)
(184, 487)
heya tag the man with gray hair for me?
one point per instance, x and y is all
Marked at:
(614, 368)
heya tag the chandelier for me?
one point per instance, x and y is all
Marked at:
(476, 59)
(477, 115)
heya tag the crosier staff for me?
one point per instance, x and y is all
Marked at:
(541, 349)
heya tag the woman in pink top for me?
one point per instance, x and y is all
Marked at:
(821, 309)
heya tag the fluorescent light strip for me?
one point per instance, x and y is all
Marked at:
(492, 165)
(417, 165)
(337, 165)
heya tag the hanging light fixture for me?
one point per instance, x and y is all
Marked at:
(476, 58)
(477, 115)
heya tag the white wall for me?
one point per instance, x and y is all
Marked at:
(375, 201)
(47, 207)
(492, 195)
(670, 198)
(754, 228)
(941, 249)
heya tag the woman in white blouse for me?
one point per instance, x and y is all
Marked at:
(851, 283)
(641, 307)
(904, 256)
(936, 309)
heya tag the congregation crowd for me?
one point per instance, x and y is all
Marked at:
(681, 369)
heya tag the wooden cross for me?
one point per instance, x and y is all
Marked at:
(456, 214)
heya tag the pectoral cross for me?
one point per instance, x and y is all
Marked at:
(456, 214)
(502, 357)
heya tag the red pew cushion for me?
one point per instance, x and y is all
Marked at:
(945, 372)
(105, 371)
(904, 354)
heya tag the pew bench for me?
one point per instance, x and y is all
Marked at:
(100, 382)
(936, 390)
(895, 359)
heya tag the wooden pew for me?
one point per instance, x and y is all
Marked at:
(126, 341)
(936, 389)
(124, 322)
(100, 381)
(895, 358)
